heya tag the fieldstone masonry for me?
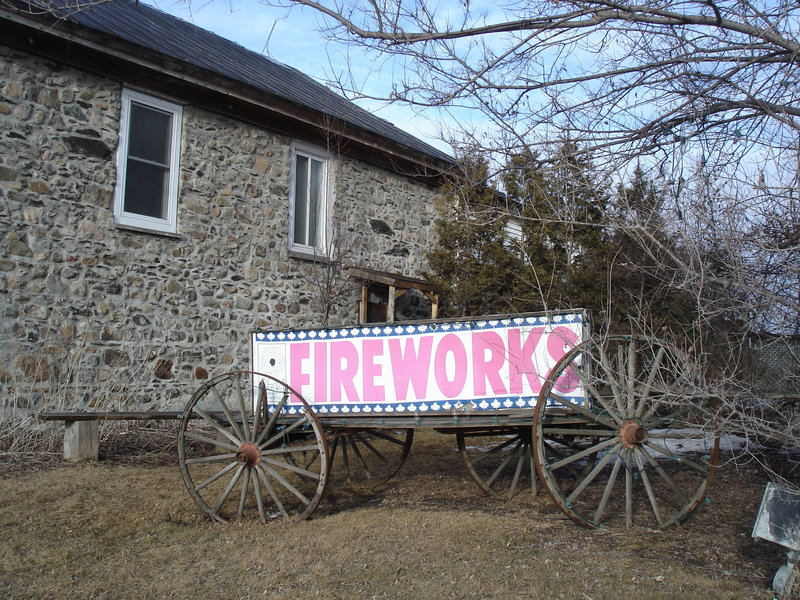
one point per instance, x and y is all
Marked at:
(94, 315)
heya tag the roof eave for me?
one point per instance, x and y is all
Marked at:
(71, 43)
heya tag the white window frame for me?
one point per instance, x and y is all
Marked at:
(168, 224)
(513, 236)
(320, 250)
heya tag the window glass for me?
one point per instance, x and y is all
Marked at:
(315, 228)
(149, 134)
(301, 201)
(146, 189)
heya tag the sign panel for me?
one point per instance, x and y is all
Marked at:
(481, 364)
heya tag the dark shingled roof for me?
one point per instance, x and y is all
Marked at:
(178, 40)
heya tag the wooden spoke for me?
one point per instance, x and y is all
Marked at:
(628, 489)
(699, 466)
(216, 476)
(243, 494)
(648, 386)
(270, 426)
(648, 488)
(227, 432)
(582, 453)
(259, 498)
(290, 467)
(283, 433)
(229, 488)
(284, 482)
(213, 458)
(368, 457)
(590, 477)
(592, 393)
(221, 444)
(521, 458)
(601, 507)
(594, 415)
(632, 377)
(272, 494)
(393, 436)
(374, 451)
(241, 453)
(352, 440)
(220, 404)
(495, 459)
(290, 450)
(554, 450)
(662, 435)
(664, 475)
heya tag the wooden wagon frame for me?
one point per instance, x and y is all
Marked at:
(618, 430)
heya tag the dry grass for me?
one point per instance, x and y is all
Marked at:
(127, 528)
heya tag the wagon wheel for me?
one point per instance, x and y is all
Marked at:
(368, 456)
(648, 433)
(499, 460)
(248, 442)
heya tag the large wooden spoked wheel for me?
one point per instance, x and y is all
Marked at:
(499, 460)
(368, 456)
(642, 451)
(249, 444)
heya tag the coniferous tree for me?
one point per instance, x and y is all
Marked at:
(472, 262)
(642, 286)
(564, 236)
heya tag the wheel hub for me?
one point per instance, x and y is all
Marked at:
(632, 434)
(249, 454)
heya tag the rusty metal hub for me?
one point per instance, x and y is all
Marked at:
(249, 454)
(632, 434)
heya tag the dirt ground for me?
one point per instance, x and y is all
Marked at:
(125, 527)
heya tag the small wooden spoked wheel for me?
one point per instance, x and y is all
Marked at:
(499, 460)
(368, 456)
(249, 444)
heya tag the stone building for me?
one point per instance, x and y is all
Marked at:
(163, 192)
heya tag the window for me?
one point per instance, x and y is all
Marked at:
(146, 196)
(309, 201)
(513, 237)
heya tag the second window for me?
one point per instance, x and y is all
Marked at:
(309, 200)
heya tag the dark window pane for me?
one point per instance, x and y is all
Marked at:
(150, 131)
(146, 189)
(301, 201)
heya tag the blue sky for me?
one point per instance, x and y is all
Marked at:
(291, 36)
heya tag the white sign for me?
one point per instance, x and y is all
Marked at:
(491, 363)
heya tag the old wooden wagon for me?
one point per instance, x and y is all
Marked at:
(617, 429)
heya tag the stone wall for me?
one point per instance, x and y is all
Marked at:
(97, 315)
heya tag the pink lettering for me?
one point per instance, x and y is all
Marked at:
(320, 372)
(559, 342)
(450, 344)
(344, 367)
(488, 357)
(520, 358)
(372, 349)
(410, 365)
(297, 377)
